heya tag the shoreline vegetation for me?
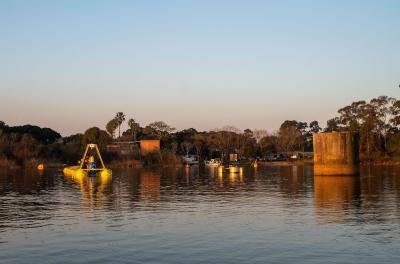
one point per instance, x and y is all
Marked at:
(376, 122)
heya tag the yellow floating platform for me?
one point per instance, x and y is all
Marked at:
(80, 171)
(76, 171)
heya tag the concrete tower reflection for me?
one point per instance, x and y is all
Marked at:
(334, 195)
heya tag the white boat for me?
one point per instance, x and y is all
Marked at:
(213, 162)
(190, 160)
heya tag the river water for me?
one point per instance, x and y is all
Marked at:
(263, 215)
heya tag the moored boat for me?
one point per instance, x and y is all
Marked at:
(190, 160)
(213, 162)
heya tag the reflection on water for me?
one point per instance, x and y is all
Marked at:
(92, 188)
(334, 196)
(269, 214)
(150, 186)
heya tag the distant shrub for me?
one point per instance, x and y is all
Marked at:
(161, 158)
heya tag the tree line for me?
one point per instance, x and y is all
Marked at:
(22, 144)
(377, 123)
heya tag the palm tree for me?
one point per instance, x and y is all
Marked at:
(134, 127)
(120, 117)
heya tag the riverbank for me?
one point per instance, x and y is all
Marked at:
(393, 162)
(29, 164)
(285, 163)
(153, 159)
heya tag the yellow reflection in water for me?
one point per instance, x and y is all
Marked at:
(333, 195)
(232, 176)
(92, 188)
(220, 171)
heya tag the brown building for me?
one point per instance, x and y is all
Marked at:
(122, 147)
(128, 147)
(149, 145)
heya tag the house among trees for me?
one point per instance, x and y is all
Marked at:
(127, 147)
(149, 145)
(122, 147)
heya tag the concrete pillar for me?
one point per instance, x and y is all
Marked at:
(335, 153)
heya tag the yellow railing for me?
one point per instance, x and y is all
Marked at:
(91, 146)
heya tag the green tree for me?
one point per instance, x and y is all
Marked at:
(174, 147)
(395, 114)
(97, 136)
(160, 128)
(44, 135)
(248, 133)
(134, 127)
(292, 136)
(369, 130)
(258, 134)
(290, 139)
(28, 148)
(120, 117)
(373, 121)
(382, 110)
(314, 127)
(332, 124)
(199, 144)
(268, 144)
(246, 143)
(351, 116)
(300, 126)
(187, 147)
(112, 126)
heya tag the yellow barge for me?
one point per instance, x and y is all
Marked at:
(82, 169)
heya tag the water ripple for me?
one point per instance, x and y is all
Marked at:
(272, 214)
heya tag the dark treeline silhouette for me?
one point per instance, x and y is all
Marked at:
(22, 145)
(377, 123)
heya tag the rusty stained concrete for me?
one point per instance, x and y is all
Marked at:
(335, 153)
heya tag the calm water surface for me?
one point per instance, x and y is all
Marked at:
(267, 215)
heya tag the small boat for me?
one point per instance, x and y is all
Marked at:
(87, 167)
(213, 162)
(190, 160)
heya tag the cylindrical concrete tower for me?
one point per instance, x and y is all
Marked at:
(335, 153)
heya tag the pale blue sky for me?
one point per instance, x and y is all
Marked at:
(70, 65)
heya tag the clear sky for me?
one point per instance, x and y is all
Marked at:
(70, 65)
